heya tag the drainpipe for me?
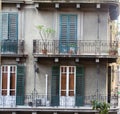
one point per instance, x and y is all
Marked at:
(97, 77)
(46, 84)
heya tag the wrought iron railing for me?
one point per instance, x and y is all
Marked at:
(13, 1)
(41, 100)
(12, 47)
(79, 47)
(81, 1)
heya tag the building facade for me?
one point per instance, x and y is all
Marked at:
(57, 56)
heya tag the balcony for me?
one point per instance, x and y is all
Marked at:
(12, 48)
(78, 1)
(41, 102)
(75, 48)
(13, 1)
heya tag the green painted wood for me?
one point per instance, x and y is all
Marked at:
(68, 33)
(79, 86)
(20, 85)
(9, 33)
(55, 86)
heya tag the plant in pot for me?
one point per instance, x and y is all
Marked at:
(45, 33)
(113, 51)
(72, 48)
(102, 107)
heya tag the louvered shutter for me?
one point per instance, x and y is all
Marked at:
(63, 33)
(72, 33)
(72, 27)
(55, 86)
(13, 26)
(4, 26)
(20, 85)
(4, 32)
(68, 33)
(9, 32)
(79, 86)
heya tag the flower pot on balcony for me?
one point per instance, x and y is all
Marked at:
(112, 52)
(44, 51)
(71, 52)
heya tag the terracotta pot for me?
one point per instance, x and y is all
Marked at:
(44, 51)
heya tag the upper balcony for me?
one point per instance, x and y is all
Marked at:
(79, 48)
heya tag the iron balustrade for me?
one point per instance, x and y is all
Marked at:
(82, 1)
(78, 47)
(41, 100)
(12, 47)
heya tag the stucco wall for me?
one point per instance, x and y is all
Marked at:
(95, 26)
(94, 81)
(87, 30)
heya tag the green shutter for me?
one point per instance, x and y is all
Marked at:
(9, 32)
(4, 34)
(20, 85)
(55, 86)
(68, 32)
(79, 86)
(13, 26)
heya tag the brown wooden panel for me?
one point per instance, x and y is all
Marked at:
(63, 93)
(63, 82)
(4, 80)
(71, 82)
(12, 81)
(4, 92)
(71, 93)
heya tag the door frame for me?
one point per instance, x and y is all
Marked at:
(67, 97)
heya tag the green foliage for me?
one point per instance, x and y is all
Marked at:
(45, 32)
(102, 107)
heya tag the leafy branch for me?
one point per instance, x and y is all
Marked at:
(102, 107)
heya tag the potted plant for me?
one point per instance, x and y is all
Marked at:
(72, 48)
(45, 33)
(113, 51)
(102, 107)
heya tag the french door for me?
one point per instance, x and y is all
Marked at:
(67, 85)
(68, 33)
(8, 82)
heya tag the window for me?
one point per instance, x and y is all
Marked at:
(68, 33)
(9, 32)
(8, 80)
(9, 26)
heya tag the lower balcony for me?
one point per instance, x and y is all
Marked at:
(48, 102)
(76, 48)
